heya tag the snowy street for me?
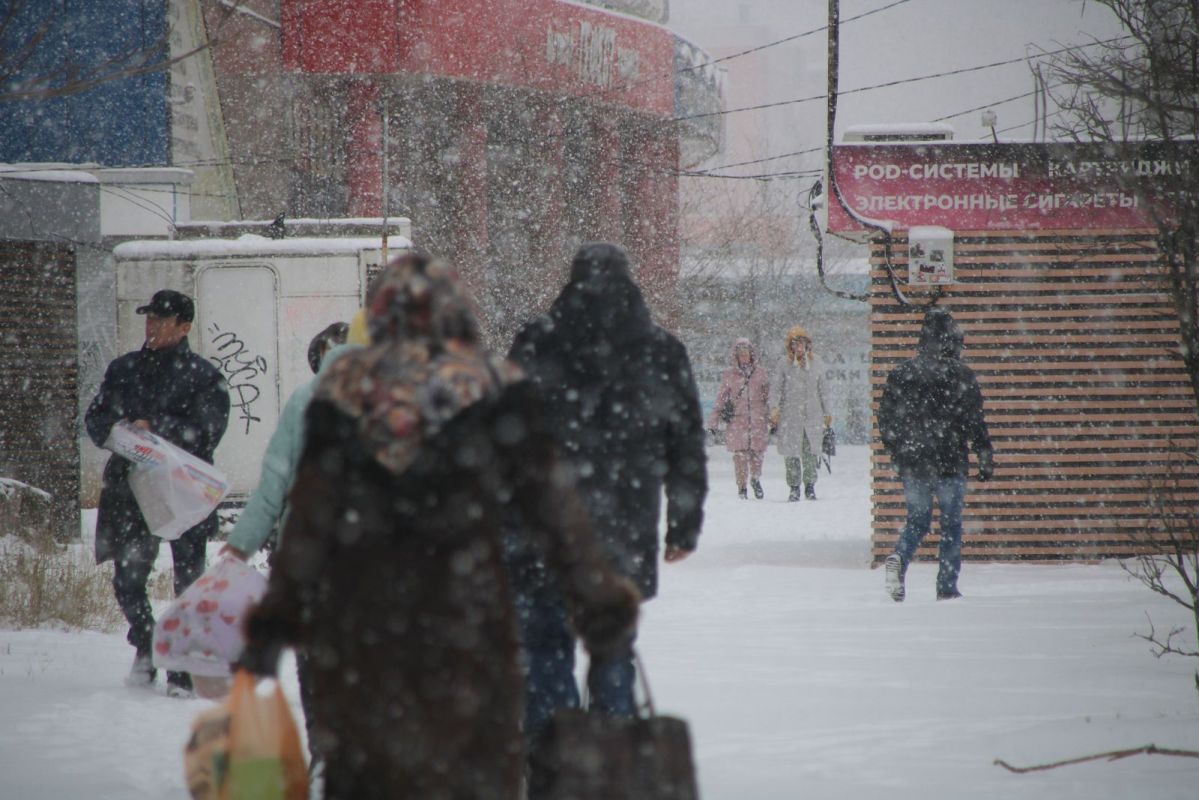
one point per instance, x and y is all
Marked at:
(799, 677)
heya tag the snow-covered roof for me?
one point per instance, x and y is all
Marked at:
(11, 485)
(55, 175)
(252, 245)
(144, 175)
(896, 130)
(323, 221)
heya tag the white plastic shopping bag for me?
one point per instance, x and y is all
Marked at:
(201, 632)
(174, 490)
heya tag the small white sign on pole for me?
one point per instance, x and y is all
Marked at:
(930, 255)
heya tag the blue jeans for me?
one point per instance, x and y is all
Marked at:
(549, 662)
(950, 492)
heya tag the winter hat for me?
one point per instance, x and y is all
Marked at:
(169, 303)
(330, 337)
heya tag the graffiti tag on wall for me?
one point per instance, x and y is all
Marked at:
(243, 371)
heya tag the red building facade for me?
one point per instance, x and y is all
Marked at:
(514, 128)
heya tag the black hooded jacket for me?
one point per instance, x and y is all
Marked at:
(620, 396)
(931, 412)
(186, 402)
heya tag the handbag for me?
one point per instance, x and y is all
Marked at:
(586, 756)
(828, 449)
(828, 442)
(729, 410)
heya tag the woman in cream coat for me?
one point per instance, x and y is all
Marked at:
(799, 413)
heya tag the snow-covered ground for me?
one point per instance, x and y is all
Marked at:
(799, 677)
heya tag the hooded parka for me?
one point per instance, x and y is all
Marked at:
(799, 398)
(621, 400)
(931, 412)
(748, 389)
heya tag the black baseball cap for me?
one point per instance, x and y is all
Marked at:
(169, 303)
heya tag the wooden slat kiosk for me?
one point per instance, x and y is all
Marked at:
(1069, 327)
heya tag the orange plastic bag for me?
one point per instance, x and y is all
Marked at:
(206, 754)
(246, 749)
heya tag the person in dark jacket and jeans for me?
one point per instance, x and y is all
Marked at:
(930, 416)
(170, 391)
(619, 395)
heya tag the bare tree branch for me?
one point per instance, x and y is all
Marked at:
(71, 78)
(1114, 755)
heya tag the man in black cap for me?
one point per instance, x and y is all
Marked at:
(170, 391)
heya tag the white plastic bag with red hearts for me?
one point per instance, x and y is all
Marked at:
(201, 632)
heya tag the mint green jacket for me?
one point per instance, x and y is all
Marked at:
(266, 506)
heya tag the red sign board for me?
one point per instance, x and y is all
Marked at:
(548, 45)
(1004, 186)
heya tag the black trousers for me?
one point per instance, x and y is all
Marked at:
(133, 563)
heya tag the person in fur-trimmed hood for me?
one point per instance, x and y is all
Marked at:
(799, 414)
(389, 570)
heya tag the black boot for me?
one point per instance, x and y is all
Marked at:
(809, 491)
(179, 685)
(794, 496)
(758, 493)
(142, 673)
(742, 493)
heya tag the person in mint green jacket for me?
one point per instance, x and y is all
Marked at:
(265, 508)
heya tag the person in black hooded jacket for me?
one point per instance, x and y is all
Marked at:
(619, 394)
(930, 416)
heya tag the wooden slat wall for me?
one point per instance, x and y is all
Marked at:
(38, 373)
(1075, 343)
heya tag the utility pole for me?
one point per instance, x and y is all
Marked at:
(384, 109)
(834, 40)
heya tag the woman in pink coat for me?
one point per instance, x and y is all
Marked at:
(743, 405)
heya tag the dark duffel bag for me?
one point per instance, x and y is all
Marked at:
(588, 756)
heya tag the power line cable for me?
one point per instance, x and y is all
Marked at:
(810, 150)
(792, 38)
(889, 84)
(786, 39)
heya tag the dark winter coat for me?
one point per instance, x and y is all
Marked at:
(186, 402)
(620, 398)
(394, 586)
(931, 411)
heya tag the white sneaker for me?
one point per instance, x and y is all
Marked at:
(893, 567)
